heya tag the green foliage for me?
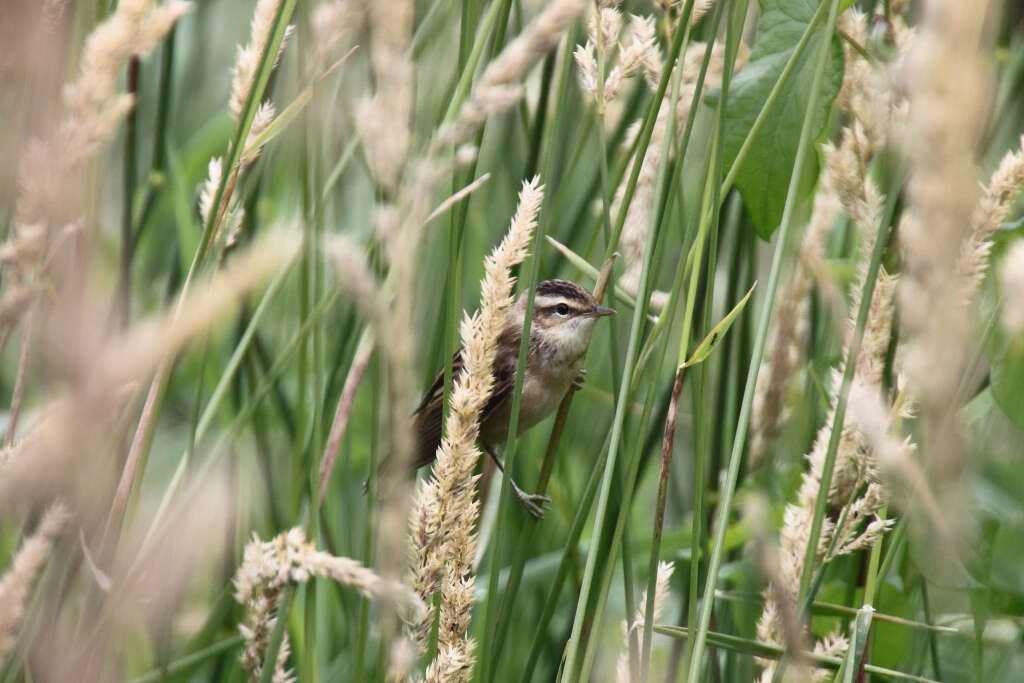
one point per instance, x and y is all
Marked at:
(763, 175)
(1007, 376)
(708, 344)
(257, 392)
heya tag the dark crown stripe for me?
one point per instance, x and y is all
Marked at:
(565, 289)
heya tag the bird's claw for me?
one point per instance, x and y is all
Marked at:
(534, 503)
(580, 378)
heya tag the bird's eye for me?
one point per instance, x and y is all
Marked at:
(562, 309)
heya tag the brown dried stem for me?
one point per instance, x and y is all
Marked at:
(344, 410)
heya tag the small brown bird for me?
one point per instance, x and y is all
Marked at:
(563, 320)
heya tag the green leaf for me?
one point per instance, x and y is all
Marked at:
(858, 641)
(1007, 377)
(709, 343)
(282, 120)
(1012, 226)
(757, 648)
(763, 177)
(1007, 556)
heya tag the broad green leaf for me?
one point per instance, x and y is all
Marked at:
(1007, 377)
(1008, 556)
(763, 177)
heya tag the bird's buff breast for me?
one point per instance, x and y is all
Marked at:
(539, 400)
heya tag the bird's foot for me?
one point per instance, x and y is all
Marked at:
(534, 503)
(580, 378)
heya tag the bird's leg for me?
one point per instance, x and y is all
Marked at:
(533, 502)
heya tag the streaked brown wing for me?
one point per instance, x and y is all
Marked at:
(429, 413)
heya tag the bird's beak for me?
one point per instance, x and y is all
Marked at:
(601, 311)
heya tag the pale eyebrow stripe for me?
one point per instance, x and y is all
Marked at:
(544, 301)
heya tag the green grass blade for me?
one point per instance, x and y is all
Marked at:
(757, 648)
(191, 661)
(732, 474)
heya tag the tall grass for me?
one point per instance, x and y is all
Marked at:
(239, 241)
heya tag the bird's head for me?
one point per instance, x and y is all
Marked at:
(563, 315)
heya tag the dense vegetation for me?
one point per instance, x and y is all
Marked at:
(241, 239)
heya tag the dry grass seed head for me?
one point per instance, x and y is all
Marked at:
(18, 579)
(497, 89)
(789, 329)
(247, 60)
(333, 22)
(638, 214)
(661, 591)
(383, 120)
(49, 189)
(846, 174)
(948, 102)
(991, 210)
(269, 566)
(445, 509)
(949, 81)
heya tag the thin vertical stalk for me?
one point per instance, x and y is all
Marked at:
(821, 503)
(369, 526)
(667, 444)
(578, 666)
(735, 458)
(163, 113)
(138, 452)
(494, 551)
(606, 220)
(933, 645)
(709, 212)
(568, 552)
(527, 533)
(314, 204)
(496, 21)
(19, 381)
(679, 37)
(124, 285)
(277, 635)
